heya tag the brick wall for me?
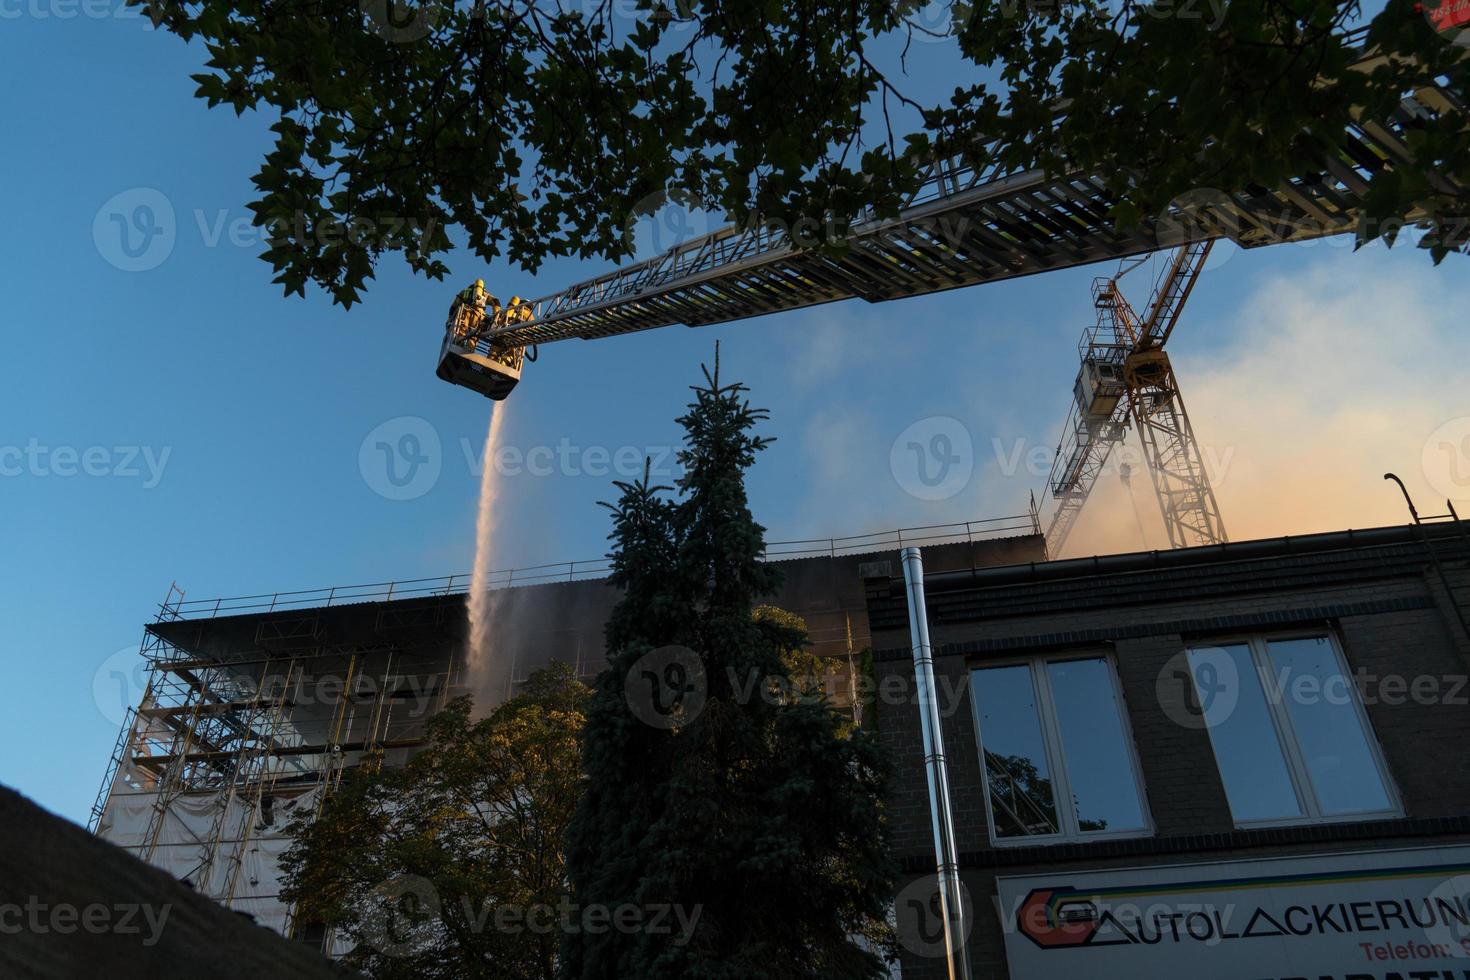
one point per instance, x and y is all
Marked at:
(1386, 604)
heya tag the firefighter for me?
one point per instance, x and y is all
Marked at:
(520, 310)
(468, 311)
(474, 295)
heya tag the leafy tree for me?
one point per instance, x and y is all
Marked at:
(756, 817)
(807, 669)
(414, 864)
(541, 129)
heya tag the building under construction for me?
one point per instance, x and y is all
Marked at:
(257, 705)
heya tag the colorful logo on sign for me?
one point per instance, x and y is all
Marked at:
(1068, 917)
(1055, 918)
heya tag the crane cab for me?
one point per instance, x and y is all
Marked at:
(1099, 386)
(478, 364)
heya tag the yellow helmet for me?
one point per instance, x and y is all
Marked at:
(479, 284)
(515, 301)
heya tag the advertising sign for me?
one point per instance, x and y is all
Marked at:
(1448, 15)
(1380, 915)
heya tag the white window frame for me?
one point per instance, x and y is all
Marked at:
(1051, 737)
(1291, 751)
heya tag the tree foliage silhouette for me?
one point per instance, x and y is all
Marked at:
(758, 812)
(534, 129)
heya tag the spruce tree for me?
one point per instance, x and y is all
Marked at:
(756, 817)
(604, 839)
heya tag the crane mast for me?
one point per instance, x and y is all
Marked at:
(1126, 379)
(1186, 499)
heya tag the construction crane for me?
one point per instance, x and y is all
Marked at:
(1125, 379)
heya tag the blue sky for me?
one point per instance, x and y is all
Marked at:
(187, 423)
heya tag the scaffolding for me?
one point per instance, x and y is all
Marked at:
(257, 706)
(227, 745)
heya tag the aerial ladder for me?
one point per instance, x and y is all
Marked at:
(970, 220)
(1127, 381)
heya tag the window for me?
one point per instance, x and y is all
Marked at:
(1059, 762)
(1290, 735)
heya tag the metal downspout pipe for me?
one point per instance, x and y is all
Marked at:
(951, 897)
